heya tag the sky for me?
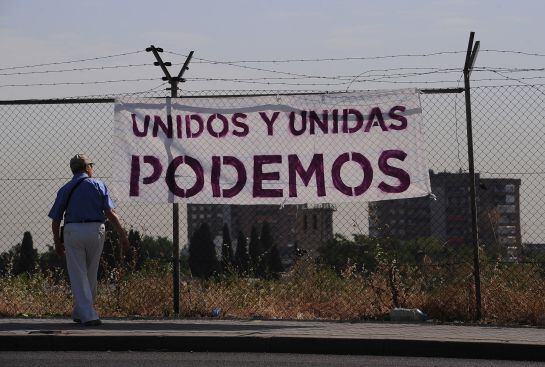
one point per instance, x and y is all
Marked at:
(35, 32)
(223, 34)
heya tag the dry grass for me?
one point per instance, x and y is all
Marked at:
(511, 294)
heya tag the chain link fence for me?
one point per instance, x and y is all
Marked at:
(345, 261)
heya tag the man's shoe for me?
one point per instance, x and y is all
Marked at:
(96, 322)
(77, 321)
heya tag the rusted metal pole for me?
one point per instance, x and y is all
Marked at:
(472, 50)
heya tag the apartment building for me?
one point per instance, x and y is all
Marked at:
(302, 226)
(446, 215)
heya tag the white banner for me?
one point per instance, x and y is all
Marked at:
(284, 149)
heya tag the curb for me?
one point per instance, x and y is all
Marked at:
(296, 345)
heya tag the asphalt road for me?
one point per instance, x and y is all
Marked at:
(168, 359)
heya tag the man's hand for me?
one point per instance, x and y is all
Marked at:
(59, 249)
(55, 228)
(123, 239)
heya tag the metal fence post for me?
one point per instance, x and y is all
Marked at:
(472, 50)
(175, 235)
(173, 81)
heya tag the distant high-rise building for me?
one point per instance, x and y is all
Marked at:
(447, 214)
(499, 214)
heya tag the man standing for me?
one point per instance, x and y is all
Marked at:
(85, 203)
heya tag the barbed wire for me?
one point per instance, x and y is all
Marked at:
(519, 80)
(277, 81)
(342, 79)
(290, 75)
(293, 75)
(508, 85)
(252, 68)
(507, 70)
(335, 77)
(149, 64)
(154, 89)
(514, 173)
(289, 78)
(214, 62)
(72, 61)
(76, 69)
(430, 70)
(77, 83)
(233, 92)
(357, 58)
(377, 80)
(202, 60)
(160, 86)
(385, 76)
(515, 52)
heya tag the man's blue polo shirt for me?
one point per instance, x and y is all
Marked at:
(87, 204)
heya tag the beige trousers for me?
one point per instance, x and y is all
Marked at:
(83, 244)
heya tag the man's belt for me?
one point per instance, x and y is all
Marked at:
(87, 221)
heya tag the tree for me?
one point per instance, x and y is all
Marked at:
(267, 244)
(8, 258)
(159, 248)
(27, 258)
(339, 252)
(271, 262)
(242, 259)
(202, 253)
(156, 255)
(134, 259)
(49, 260)
(255, 250)
(275, 262)
(4, 263)
(227, 258)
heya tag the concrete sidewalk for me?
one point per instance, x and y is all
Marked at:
(419, 339)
